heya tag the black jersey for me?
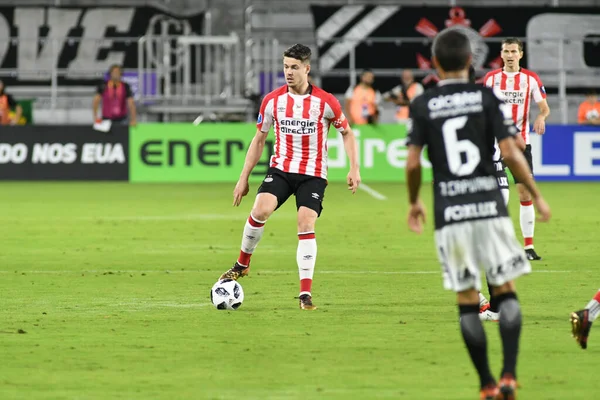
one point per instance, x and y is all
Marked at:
(459, 123)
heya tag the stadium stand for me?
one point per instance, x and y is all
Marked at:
(242, 62)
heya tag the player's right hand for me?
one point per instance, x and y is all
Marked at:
(543, 209)
(353, 180)
(416, 217)
(241, 189)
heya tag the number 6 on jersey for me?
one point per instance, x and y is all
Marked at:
(456, 148)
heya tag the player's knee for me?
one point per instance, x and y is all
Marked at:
(469, 296)
(306, 225)
(524, 194)
(508, 287)
(261, 213)
(306, 219)
(264, 207)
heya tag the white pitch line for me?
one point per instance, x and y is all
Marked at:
(186, 217)
(131, 306)
(374, 193)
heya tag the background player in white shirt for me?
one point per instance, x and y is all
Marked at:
(300, 114)
(519, 86)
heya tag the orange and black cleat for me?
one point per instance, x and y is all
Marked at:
(306, 302)
(507, 388)
(580, 326)
(490, 392)
(235, 272)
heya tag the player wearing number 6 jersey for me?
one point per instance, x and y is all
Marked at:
(300, 115)
(519, 87)
(458, 122)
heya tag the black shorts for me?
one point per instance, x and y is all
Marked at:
(309, 190)
(527, 154)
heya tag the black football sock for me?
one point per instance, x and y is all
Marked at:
(493, 300)
(474, 337)
(510, 330)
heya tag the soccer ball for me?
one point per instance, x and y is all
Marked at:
(227, 295)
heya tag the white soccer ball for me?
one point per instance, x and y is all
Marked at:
(227, 295)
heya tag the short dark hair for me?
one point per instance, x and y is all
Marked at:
(472, 74)
(513, 40)
(452, 50)
(298, 52)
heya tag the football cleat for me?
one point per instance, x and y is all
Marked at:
(306, 302)
(489, 315)
(235, 272)
(532, 255)
(507, 388)
(490, 392)
(580, 325)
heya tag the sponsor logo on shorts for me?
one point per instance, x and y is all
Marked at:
(471, 211)
(269, 179)
(315, 196)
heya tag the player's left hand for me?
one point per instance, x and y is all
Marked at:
(539, 126)
(353, 180)
(416, 217)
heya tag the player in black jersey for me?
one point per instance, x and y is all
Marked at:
(459, 122)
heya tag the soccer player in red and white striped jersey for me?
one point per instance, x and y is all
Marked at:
(300, 115)
(519, 87)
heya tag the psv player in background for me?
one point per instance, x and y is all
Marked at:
(519, 87)
(300, 115)
(488, 310)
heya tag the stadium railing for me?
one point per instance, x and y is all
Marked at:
(174, 74)
(555, 76)
(193, 73)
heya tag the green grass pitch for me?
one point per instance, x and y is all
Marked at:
(110, 285)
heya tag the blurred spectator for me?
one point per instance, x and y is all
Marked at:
(362, 101)
(404, 93)
(10, 111)
(116, 98)
(589, 110)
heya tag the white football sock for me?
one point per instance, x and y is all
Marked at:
(253, 231)
(594, 307)
(306, 257)
(527, 219)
